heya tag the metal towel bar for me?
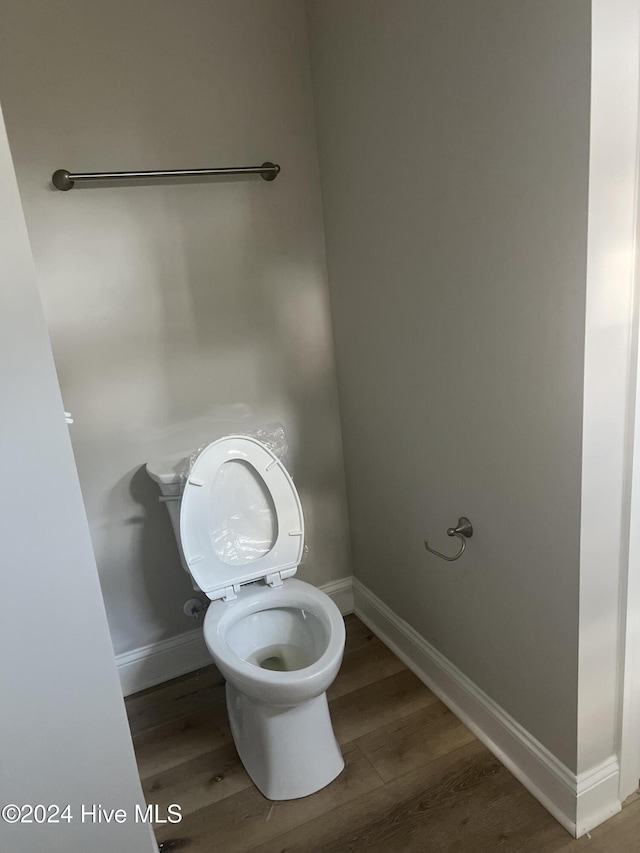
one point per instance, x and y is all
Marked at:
(463, 530)
(64, 180)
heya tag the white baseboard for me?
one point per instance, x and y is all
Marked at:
(342, 593)
(579, 803)
(167, 659)
(162, 661)
(598, 795)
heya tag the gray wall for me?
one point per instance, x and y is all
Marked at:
(177, 313)
(453, 140)
(64, 737)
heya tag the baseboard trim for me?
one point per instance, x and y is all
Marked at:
(579, 803)
(598, 795)
(341, 592)
(158, 662)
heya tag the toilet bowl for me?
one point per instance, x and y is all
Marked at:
(277, 641)
(279, 650)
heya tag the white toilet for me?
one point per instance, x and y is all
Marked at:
(277, 641)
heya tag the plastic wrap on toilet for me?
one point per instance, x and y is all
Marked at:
(272, 436)
(245, 526)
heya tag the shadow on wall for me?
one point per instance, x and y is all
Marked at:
(163, 580)
(161, 573)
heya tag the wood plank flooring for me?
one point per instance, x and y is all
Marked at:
(416, 779)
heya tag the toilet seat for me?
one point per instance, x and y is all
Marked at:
(215, 576)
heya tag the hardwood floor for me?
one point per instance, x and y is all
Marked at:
(415, 778)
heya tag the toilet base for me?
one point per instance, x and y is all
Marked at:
(288, 752)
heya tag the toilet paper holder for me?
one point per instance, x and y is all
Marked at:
(463, 530)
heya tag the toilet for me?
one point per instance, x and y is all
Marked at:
(277, 641)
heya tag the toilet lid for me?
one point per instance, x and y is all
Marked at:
(240, 519)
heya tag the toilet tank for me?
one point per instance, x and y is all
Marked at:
(168, 472)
